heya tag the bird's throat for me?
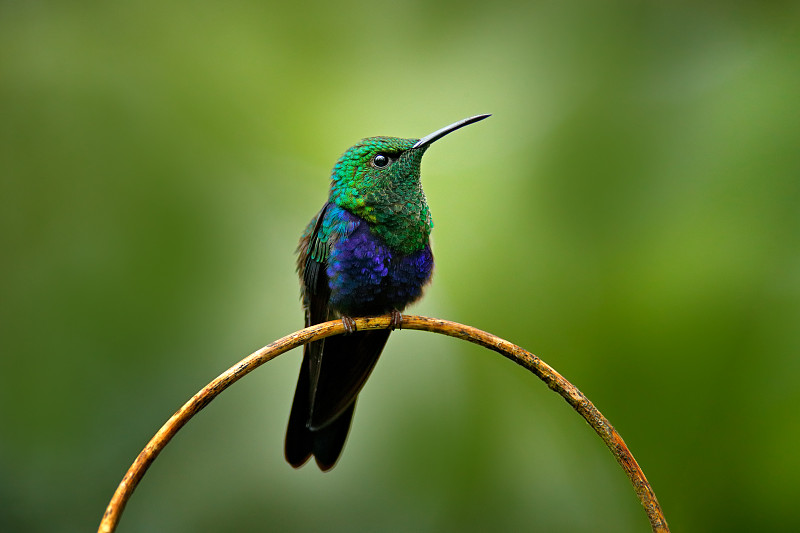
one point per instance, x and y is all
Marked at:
(400, 218)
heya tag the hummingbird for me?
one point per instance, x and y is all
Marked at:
(367, 252)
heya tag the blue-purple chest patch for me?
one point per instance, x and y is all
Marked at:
(366, 277)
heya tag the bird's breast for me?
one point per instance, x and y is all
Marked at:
(368, 276)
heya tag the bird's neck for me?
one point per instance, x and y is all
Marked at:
(398, 215)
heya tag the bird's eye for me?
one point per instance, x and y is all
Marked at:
(380, 161)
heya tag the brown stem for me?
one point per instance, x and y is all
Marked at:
(553, 379)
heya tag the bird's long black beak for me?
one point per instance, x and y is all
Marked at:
(438, 134)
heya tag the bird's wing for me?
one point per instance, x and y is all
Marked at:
(312, 262)
(335, 369)
(312, 254)
(338, 366)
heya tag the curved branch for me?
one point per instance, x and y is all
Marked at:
(553, 379)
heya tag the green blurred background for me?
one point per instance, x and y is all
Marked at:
(629, 213)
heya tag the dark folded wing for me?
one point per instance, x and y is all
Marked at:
(334, 370)
(346, 364)
(312, 255)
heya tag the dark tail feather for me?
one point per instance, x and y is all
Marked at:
(299, 443)
(346, 364)
(329, 441)
(326, 443)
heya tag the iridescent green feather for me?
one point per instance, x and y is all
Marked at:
(390, 199)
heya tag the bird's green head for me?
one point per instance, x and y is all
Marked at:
(376, 174)
(378, 180)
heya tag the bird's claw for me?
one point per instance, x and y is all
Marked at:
(349, 325)
(396, 321)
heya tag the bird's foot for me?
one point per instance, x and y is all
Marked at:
(397, 320)
(349, 324)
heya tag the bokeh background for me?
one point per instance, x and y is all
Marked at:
(629, 213)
